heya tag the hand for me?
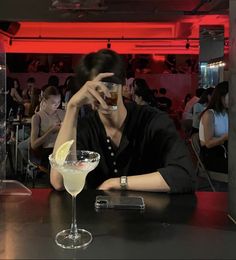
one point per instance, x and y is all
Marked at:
(89, 93)
(225, 137)
(55, 128)
(110, 184)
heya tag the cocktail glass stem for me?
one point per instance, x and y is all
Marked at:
(73, 230)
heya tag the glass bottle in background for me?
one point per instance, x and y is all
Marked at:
(19, 114)
(11, 115)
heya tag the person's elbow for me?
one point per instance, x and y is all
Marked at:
(56, 180)
(33, 146)
(208, 144)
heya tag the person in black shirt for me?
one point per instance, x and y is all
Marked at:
(139, 146)
(164, 103)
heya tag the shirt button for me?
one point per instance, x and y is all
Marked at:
(115, 171)
(109, 147)
(112, 154)
(114, 163)
(108, 140)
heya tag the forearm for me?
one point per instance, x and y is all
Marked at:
(68, 128)
(35, 143)
(214, 141)
(40, 140)
(145, 182)
(66, 133)
(18, 98)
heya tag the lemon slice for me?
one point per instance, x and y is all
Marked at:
(62, 152)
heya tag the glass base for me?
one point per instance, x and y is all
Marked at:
(13, 187)
(65, 240)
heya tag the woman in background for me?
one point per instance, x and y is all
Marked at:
(16, 91)
(142, 94)
(46, 124)
(213, 130)
(199, 107)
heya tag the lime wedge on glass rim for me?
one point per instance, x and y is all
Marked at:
(62, 152)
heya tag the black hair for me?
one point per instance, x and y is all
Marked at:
(53, 81)
(162, 91)
(51, 91)
(18, 82)
(10, 83)
(104, 60)
(67, 81)
(72, 85)
(141, 89)
(199, 92)
(210, 91)
(216, 103)
(204, 98)
(31, 80)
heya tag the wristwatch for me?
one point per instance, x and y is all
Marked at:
(123, 182)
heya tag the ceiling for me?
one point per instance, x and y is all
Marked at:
(132, 26)
(108, 10)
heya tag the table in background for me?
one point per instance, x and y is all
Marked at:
(23, 123)
(171, 227)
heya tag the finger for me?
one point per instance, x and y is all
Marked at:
(100, 76)
(102, 88)
(95, 105)
(96, 95)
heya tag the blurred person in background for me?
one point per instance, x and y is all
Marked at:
(46, 124)
(213, 130)
(142, 93)
(199, 107)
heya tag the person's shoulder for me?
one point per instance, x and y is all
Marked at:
(36, 117)
(145, 112)
(38, 113)
(208, 115)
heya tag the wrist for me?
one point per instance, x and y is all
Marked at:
(123, 182)
(115, 183)
(72, 106)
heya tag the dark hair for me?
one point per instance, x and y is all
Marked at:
(162, 91)
(72, 85)
(51, 91)
(199, 92)
(31, 80)
(18, 82)
(204, 98)
(34, 100)
(216, 103)
(141, 89)
(10, 83)
(210, 91)
(104, 60)
(53, 81)
(67, 80)
(19, 90)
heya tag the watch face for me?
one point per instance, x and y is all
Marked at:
(123, 182)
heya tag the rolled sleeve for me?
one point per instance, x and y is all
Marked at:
(177, 167)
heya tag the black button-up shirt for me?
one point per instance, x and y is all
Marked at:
(149, 143)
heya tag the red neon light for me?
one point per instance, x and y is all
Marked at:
(119, 31)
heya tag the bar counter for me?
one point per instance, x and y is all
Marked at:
(190, 226)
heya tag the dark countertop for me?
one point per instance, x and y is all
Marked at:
(171, 227)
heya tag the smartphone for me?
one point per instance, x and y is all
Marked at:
(119, 202)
